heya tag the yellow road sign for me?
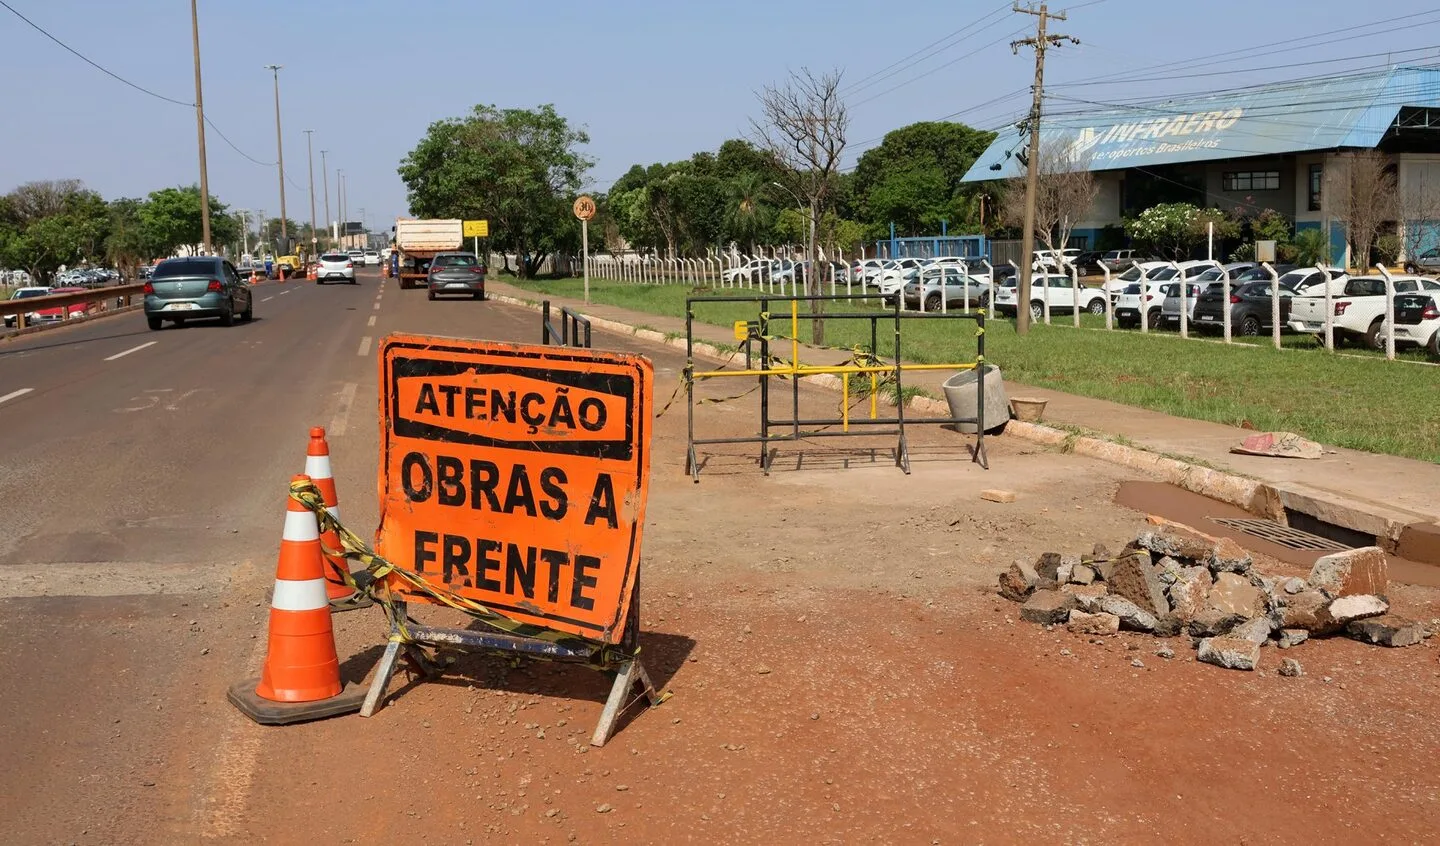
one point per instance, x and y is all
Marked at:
(477, 229)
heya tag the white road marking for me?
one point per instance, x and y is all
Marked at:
(267, 299)
(377, 306)
(131, 350)
(16, 394)
(371, 321)
(364, 346)
(283, 293)
(341, 421)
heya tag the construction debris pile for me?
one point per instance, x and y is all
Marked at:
(1173, 580)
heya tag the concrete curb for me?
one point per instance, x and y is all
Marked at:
(1256, 497)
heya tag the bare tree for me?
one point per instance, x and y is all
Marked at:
(1419, 216)
(802, 127)
(1367, 196)
(1063, 196)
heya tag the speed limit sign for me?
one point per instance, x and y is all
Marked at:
(584, 207)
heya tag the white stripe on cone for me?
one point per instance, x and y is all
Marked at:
(308, 595)
(317, 466)
(301, 526)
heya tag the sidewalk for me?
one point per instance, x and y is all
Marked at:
(1362, 491)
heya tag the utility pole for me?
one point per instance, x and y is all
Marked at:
(244, 231)
(1041, 42)
(325, 177)
(200, 128)
(280, 155)
(340, 191)
(310, 156)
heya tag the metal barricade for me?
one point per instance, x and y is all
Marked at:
(574, 328)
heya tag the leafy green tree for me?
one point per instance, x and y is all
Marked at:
(518, 168)
(913, 179)
(1311, 247)
(747, 215)
(1169, 229)
(44, 225)
(171, 218)
(128, 245)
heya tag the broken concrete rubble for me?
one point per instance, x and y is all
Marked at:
(1173, 579)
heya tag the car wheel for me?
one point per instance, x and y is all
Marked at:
(1250, 327)
(1410, 268)
(154, 323)
(227, 317)
(430, 295)
(932, 302)
(1434, 345)
(1372, 337)
(249, 313)
(1037, 311)
(1154, 316)
(1097, 306)
(480, 295)
(319, 281)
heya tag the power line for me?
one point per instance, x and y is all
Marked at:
(900, 64)
(82, 57)
(938, 68)
(212, 125)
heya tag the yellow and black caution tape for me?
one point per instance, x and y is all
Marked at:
(372, 582)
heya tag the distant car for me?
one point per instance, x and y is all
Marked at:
(957, 284)
(1426, 262)
(372, 257)
(456, 273)
(357, 256)
(1170, 307)
(1117, 260)
(1249, 308)
(12, 320)
(183, 289)
(333, 266)
(1056, 290)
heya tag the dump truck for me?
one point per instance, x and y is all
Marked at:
(418, 241)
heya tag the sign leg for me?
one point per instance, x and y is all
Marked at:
(631, 673)
(384, 671)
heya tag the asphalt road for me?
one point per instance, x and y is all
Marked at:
(143, 476)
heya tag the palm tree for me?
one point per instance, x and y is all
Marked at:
(746, 218)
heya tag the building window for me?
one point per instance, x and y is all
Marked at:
(1317, 182)
(1259, 180)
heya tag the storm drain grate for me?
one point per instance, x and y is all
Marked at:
(1268, 530)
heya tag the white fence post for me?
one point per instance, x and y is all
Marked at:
(1389, 312)
(1329, 310)
(1274, 302)
(990, 272)
(1225, 276)
(1109, 297)
(1075, 293)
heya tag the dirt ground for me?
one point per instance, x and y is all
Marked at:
(842, 672)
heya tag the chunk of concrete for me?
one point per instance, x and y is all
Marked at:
(1087, 597)
(1232, 653)
(1214, 623)
(1134, 578)
(1003, 497)
(1068, 563)
(1083, 574)
(1018, 582)
(1047, 566)
(1291, 638)
(1168, 570)
(1234, 594)
(1177, 541)
(1290, 668)
(1132, 616)
(1092, 624)
(1346, 610)
(1190, 594)
(1047, 606)
(1168, 625)
(1354, 572)
(1304, 610)
(1227, 556)
(1387, 630)
(1256, 630)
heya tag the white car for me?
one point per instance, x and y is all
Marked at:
(1054, 259)
(1417, 322)
(372, 257)
(1358, 312)
(745, 272)
(1054, 288)
(866, 270)
(1128, 305)
(1145, 269)
(333, 267)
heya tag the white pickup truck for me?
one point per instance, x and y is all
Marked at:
(1358, 311)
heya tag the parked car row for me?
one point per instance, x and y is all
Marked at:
(53, 314)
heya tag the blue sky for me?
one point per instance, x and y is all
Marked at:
(650, 80)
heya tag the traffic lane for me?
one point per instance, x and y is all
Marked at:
(178, 453)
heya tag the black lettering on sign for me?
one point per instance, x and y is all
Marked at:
(602, 503)
(451, 476)
(457, 555)
(486, 564)
(423, 553)
(426, 400)
(408, 465)
(519, 496)
(561, 415)
(552, 480)
(479, 564)
(484, 476)
(527, 412)
(520, 566)
(556, 559)
(450, 392)
(592, 414)
(580, 581)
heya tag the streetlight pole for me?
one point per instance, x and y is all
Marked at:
(344, 215)
(244, 231)
(310, 156)
(810, 213)
(200, 129)
(325, 177)
(280, 156)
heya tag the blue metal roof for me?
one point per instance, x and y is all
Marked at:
(1318, 114)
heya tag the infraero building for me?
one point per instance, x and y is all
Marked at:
(1253, 148)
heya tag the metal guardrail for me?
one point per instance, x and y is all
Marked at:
(572, 324)
(103, 296)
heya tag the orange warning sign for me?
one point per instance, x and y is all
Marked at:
(517, 476)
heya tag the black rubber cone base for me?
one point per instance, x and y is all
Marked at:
(351, 603)
(267, 713)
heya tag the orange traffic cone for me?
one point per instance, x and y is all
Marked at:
(342, 597)
(254, 277)
(301, 677)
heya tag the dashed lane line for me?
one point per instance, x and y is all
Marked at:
(131, 350)
(15, 394)
(371, 321)
(344, 402)
(377, 306)
(267, 299)
(364, 346)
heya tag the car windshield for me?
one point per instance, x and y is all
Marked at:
(1163, 273)
(1366, 286)
(32, 292)
(1131, 275)
(1132, 289)
(1214, 274)
(456, 261)
(185, 267)
(334, 257)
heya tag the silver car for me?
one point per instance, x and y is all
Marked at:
(957, 286)
(456, 273)
(335, 266)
